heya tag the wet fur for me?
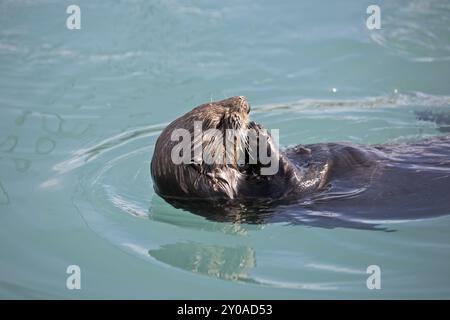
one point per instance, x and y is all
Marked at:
(327, 185)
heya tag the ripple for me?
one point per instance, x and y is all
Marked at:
(406, 35)
(124, 204)
(397, 100)
(83, 156)
(116, 200)
(334, 268)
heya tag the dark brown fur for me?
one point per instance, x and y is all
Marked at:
(348, 181)
(220, 181)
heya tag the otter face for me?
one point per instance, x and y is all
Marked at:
(213, 152)
(209, 161)
(223, 139)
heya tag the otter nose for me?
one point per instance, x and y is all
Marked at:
(244, 103)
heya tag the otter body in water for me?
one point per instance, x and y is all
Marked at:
(328, 184)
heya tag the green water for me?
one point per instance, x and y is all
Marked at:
(81, 111)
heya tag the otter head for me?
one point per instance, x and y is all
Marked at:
(197, 155)
(231, 113)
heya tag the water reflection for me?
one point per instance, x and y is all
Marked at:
(230, 263)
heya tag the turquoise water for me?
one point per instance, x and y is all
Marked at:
(81, 111)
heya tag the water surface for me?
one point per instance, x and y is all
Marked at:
(81, 111)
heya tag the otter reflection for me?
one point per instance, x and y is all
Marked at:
(229, 263)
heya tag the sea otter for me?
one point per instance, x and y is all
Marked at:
(326, 184)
